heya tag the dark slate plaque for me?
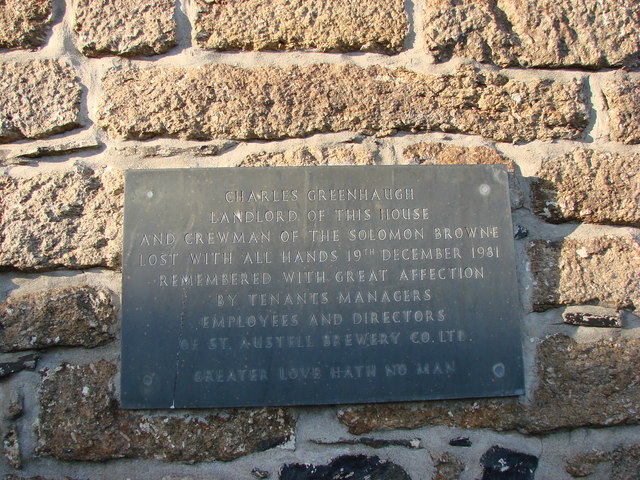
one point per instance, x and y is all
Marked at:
(321, 285)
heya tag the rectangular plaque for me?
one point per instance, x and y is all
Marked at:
(320, 285)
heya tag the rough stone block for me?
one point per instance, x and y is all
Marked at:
(603, 270)
(71, 317)
(325, 25)
(447, 467)
(125, 27)
(48, 103)
(623, 102)
(442, 154)
(80, 420)
(24, 23)
(623, 463)
(346, 466)
(223, 101)
(592, 384)
(309, 156)
(538, 33)
(589, 186)
(70, 219)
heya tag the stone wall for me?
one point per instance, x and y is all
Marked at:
(89, 89)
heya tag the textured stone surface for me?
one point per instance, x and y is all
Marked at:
(603, 270)
(326, 25)
(589, 186)
(537, 33)
(589, 316)
(502, 464)
(26, 362)
(11, 448)
(345, 467)
(623, 463)
(579, 385)
(623, 102)
(71, 219)
(80, 419)
(447, 467)
(24, 23)
(442, 154)
(24, 156)
(271, 103)
(71, 317)
(167, 151)
(309, 156)
(48, 103)
(125, 27)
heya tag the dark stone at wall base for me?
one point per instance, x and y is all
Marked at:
(27, 362)
(503, 464)
(353, 467)
(460, 442)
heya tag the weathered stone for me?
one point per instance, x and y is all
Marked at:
(538, 33)
(460, 442)
(309, 156)
(497, 414)
(48, 103)
(325, 25)
(346, 466)
(166, 151)
(414, 443)
(15, 407)
(125, 27)
(503, 464)
(603, 270)
(63, 148)
(11, 448)
(588, 316)
(442, 154)
(70, 317)
(80, 419)
(623, 102)
(27, 362)
(589, 186)
(579, 385)
(71, 219)
(270, 103)
(448, 467)
(623, 463)
(24, 23)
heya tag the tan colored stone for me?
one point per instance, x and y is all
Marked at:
(623, 102)
(485, 413)
(24, 23)
(448, 467)
(309, 156)
(579, 385)
(80, 419)
(11, 448)
(48, 100)
(537, 33)
(325, 25)
(441, 154)
(270, 103)
(603, 270)
(589, 186)
(70, 219)
(125, 27)
(77, 316)
(167, 151)
(623, 463)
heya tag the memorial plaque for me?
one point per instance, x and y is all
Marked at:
(320, 285)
